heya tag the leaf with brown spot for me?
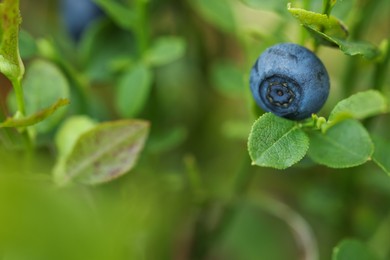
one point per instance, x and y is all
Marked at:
(105, 152)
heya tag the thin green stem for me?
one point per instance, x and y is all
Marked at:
(379, 79)
(194, 178)
(17, 85)
(79, 80)
(363, 14)
(141, 28)
(27, 138)
(326, 9)
(303, 32)
(382, 69)
(327, 6)
(29, 152)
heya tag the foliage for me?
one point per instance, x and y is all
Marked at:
(132, 142)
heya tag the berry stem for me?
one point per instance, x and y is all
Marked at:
(17, 85)
(327, 6)
(381, 69)
(303, 33)
(141, 31)
(363, 15)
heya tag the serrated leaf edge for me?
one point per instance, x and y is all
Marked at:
(295, 127)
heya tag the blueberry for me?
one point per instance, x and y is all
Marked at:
(289, 81)
(77, 15)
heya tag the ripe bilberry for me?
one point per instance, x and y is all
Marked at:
(289, 81)
(78, 14)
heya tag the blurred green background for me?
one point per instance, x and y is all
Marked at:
(193, 193)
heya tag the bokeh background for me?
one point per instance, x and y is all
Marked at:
(193, 193)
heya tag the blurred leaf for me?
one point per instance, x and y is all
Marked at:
(122, 15)
(217, 12)
(47, 49)
(105, 152)
(228, 79)
(352, 249)
(70, 131)
(381, 154)
(330, 25)
(44, 85)
(367, 50)
(276, 142)
(346, 144)
(10, 63)
(133, 91)
(66, 138)
(102, 44)
(28, 47)
(36, 117)
(165, 50)
(359, 106)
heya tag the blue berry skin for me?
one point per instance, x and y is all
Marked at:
(289, 81)
(77, 16)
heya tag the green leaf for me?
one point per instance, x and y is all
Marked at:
(165, 50)
(276, 142)
(359, 106)
(346, 144)
(120, 14)
(70, 131)
(381, 154)
(133, 91)
(217, 12)
(36, 117)
(365, 49)
(352, 249)
(44, 85)
(105, 152)
(227, 78)
(330, 25)
(66, 138)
